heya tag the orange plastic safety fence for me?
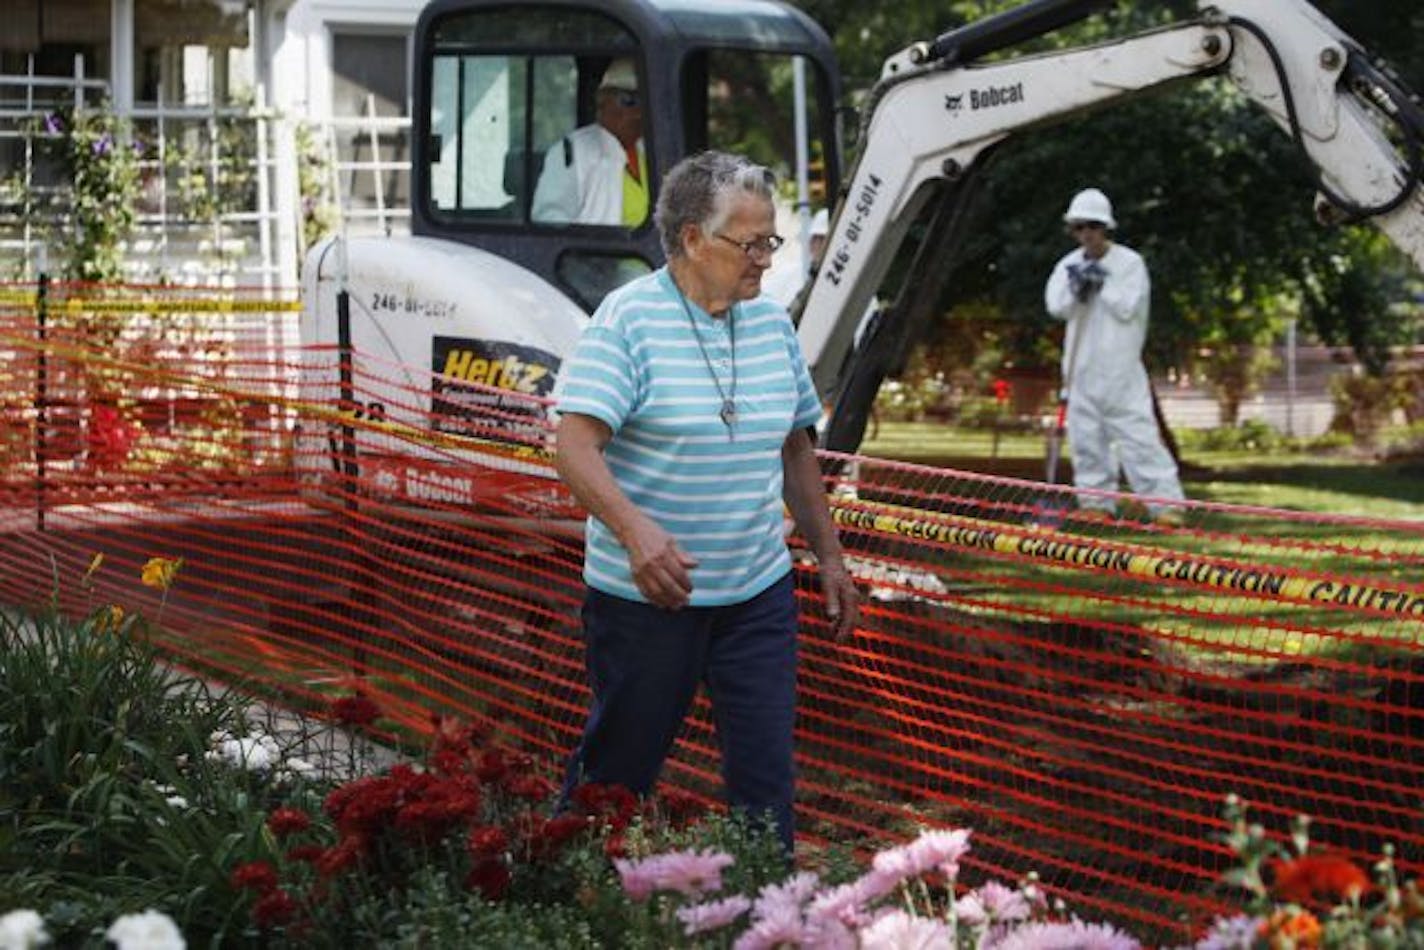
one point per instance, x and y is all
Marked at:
(1082, 694)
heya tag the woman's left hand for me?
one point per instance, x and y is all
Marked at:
(842, 599)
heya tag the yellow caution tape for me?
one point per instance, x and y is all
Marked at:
(215, 304)
(1263, 582)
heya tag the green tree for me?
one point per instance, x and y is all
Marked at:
(1215, 196)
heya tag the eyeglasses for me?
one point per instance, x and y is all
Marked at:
(758, 248)
(1077, 226)
(624, 97)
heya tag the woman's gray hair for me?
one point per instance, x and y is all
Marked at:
(699, 190)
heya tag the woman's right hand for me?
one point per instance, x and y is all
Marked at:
(660, 566)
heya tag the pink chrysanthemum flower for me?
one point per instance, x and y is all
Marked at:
(792, 892)
(939, 850)
(1074, 935)
(687, 872)
(782, 927)
(875, 883)
(845, 904)
(1003, 903)
(901, 931)
(700, 918)
(970, 911)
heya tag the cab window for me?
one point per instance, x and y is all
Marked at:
(510, 95)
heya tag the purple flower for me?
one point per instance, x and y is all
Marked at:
(1231, 933)
(1074, 935)
(103, 145)
(54, 125)
(700, 918)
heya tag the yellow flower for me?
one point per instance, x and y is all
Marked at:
(160, 571)
(94, 565)
(107, 619)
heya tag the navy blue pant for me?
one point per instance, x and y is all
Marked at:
(644, 666)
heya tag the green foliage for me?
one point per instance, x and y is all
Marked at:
(920, 389)
(435, 912)
(107, 802)
(89, 220)
(1251, 435)
(319, 213)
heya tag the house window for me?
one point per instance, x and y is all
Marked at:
(369, 101)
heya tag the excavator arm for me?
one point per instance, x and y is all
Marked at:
(936, 112)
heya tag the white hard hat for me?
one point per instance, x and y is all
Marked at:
(821, 223)
(1090, 204)
(620, 74)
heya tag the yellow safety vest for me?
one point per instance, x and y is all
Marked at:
(635, 193)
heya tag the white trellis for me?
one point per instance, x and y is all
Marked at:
(249, 243)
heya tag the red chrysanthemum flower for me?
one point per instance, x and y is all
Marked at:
(615, 846)
(273, 908)
(613, 803)
(451, 760)
(345, 854)
(288, 821)
(680, 808)
(558, 832)
(490, 878)
(452, 733)
(357, 710)
(254, 875)
(488, 841)
(368, 803)
(1319, 878)
(493, 765)
(531, 788)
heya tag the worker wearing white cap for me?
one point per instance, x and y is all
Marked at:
(1102, 290)
(598, 174)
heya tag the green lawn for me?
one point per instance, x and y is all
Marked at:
(1342, 484)
(1309, 483)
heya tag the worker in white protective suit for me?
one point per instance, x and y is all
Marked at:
(1102, 291)
(598, 173)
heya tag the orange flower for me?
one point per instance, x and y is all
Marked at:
(1319, 878)
(107, 619)
(160, 571)
(1286, 931)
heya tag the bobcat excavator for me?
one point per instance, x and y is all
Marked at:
(475, 312)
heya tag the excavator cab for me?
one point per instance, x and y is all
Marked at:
(502, 85)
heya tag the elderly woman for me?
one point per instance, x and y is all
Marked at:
(684, 426)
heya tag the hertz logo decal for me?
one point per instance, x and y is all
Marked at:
(509, 373)
(474, 378)
(512, 367)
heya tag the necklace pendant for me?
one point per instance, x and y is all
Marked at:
(728, 414)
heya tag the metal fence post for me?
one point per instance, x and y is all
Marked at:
(41, 388)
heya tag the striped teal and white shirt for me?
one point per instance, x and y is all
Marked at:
(638, 369)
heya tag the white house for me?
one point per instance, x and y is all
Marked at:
(218, 91)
